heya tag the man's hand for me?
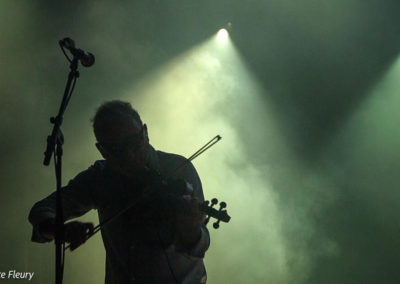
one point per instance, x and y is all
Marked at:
(76, 233)
(188, 221)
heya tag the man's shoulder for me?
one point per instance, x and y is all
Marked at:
(97, 169)
(169, 157)
(99, 165)
(171, 161)
(93, 177)
(174, 164)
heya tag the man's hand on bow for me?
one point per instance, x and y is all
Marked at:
(75, 232)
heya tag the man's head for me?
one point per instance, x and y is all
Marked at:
(122, 138)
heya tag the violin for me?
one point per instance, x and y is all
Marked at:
(157, 189)
(156, 186)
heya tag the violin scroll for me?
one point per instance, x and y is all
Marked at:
(219, 215)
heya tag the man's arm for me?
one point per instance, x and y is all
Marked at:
(76, 201)
(194, 235)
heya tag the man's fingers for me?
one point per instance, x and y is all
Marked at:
(189, 203)
(89, 228)
(76, 233)
(189, 214)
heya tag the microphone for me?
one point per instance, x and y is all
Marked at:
(86, 58)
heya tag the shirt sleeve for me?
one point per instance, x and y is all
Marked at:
(200, 248)
(76, 201)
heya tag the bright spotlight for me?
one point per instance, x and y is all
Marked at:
(222, 36)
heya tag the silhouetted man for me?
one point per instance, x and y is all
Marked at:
(162, 238)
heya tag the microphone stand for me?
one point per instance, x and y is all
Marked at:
(54, 146)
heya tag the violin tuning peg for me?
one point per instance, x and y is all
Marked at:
(216, 225)
(206, 202)
(222, 205)
(214, 201)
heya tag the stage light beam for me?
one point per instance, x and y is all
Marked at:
(222, 36)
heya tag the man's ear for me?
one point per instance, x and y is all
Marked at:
(102, 151)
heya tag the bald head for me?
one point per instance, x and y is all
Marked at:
(122, 138)
(113, 118)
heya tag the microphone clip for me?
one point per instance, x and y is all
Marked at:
(86, 58)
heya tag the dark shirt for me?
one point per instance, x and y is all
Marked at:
(140, 244)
